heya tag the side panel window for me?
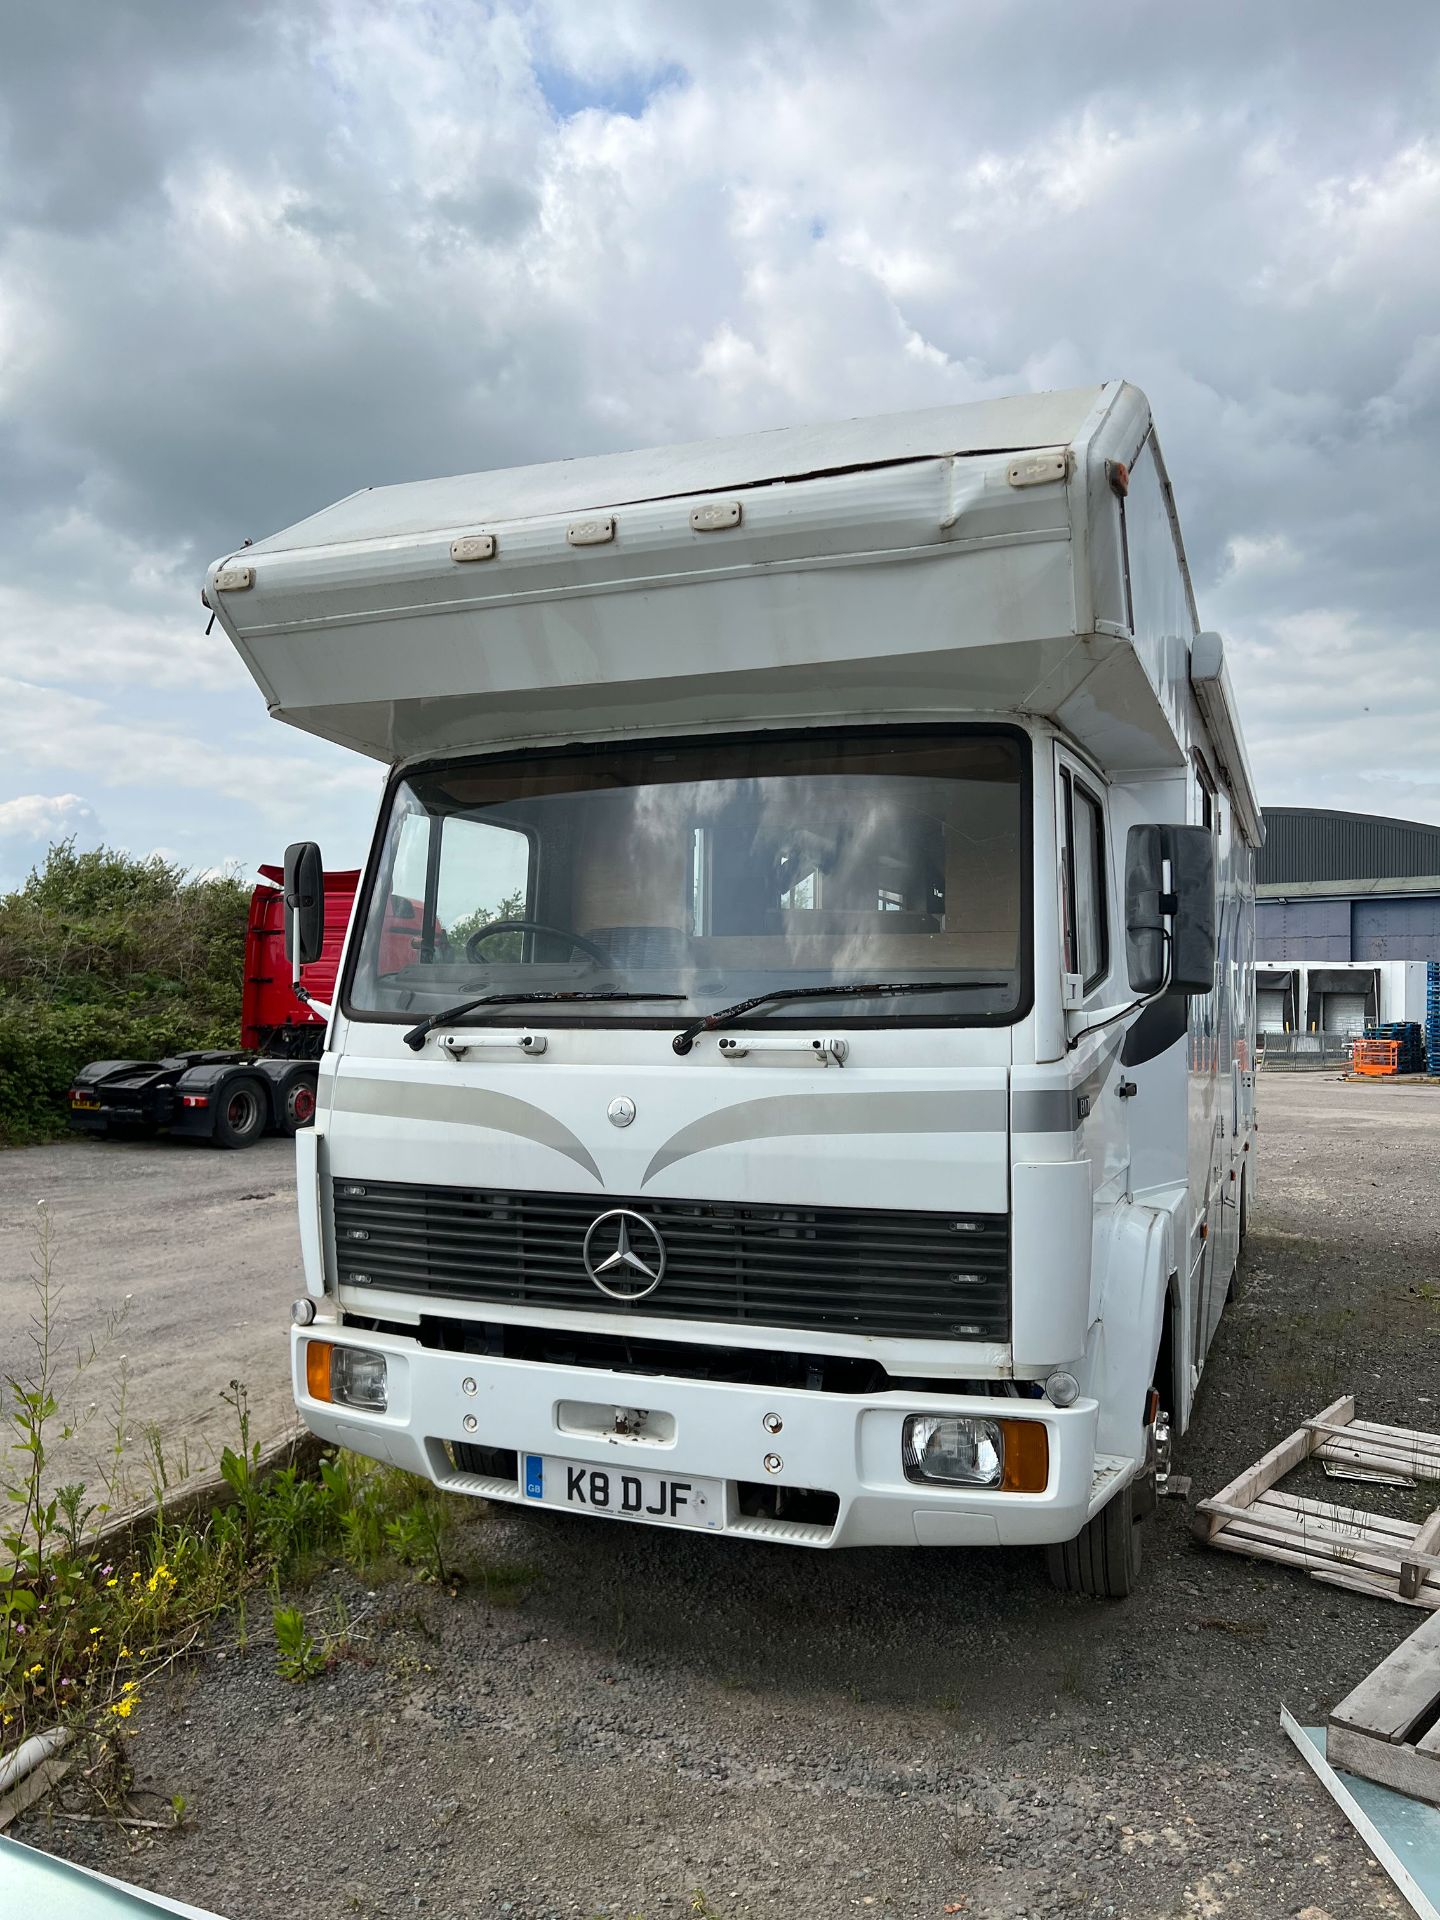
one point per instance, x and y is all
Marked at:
(1086, 923)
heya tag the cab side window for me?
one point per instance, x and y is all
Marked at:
(1086, 925)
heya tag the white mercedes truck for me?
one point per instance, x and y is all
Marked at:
(791, 1071)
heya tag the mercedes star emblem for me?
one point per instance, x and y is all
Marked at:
(611, 1259)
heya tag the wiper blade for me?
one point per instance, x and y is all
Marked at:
(415, 1038)
(685, 1039)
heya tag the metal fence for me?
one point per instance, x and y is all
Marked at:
(1304, 1052)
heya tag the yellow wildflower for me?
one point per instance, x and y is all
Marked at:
(113, 1583)
(39, 1667)
(124, 1653)
(125, 1706)
(94, 1630)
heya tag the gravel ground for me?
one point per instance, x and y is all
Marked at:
(204, 1245)
(626, 1722)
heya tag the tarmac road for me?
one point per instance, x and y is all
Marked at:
(202, 1245)
(669, 1726)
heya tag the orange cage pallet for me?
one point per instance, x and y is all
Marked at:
(1376, 1057)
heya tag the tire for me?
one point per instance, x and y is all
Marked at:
(1103, 1560)
(242, 1114)
(297, 1105)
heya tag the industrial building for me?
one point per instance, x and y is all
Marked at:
(1347, 916)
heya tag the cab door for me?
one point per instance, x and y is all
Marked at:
(1092, 962)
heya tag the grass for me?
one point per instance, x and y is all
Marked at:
(84, 1632)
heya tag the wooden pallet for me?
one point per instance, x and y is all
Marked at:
(1386, 1730)
(1341, 1546)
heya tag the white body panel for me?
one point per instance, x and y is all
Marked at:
(913, 573)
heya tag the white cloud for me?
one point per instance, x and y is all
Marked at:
(443, 237)
(46, 816)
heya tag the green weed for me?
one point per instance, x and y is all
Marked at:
(81, 1634)
(298, 1654)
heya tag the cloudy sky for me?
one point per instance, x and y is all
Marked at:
(253, 257)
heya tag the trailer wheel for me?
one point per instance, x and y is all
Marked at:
(1103, 1560)
(297, 1105)
(241, 1115)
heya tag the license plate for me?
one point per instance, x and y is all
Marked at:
(626, 1493)
(84, 1106)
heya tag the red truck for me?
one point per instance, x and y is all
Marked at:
(268, 1086)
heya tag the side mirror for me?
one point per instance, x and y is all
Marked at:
(1185, 910)
(304, 904)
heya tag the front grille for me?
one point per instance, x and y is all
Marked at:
(937, 1276)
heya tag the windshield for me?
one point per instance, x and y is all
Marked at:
(715, 869)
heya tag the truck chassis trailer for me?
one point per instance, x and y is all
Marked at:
(232, 1097)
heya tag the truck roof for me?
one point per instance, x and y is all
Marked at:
(1011, 556)
(1015, 424)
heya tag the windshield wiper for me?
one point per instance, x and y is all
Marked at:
(415, 1038)
(685, 1039)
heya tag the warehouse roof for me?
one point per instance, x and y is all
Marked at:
(1315, 849)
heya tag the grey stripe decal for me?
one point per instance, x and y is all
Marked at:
(791, 1116)
(1046, 1110)
(464, 1107)
(1056, 1109)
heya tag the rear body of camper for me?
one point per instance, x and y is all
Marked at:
(869, 706)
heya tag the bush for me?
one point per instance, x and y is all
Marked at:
(107, 957)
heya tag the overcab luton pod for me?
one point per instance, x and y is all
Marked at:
(791, 1070)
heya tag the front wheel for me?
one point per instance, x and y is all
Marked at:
(242, 1114)
(1103, 1560)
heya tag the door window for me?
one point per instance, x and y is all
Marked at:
(1086, 920)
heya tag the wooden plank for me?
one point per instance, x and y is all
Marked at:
(1427, 1599)
(1321, 1538)
(1344, 1439)
(1272, 1466)
(1402, 1530)
(33, 1787)
(1402, 1769)
(1400, 1691)
(1378, 1567)
(1404, 1433)
(1333, 1436)
(1427, 1540)
(1334, 1516)
(1237, 1538)
(1355, 1454)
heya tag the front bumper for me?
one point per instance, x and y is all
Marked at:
(844, 1444)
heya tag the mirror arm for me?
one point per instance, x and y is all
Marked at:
(1107, 1016)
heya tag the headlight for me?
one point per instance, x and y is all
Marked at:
(959, 1452)
(348, 1376)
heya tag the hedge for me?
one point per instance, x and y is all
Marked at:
(104, 956)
